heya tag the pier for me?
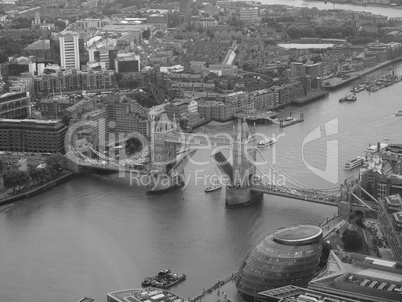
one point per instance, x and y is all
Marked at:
(217, 292)
(258, 116)
(286, 123)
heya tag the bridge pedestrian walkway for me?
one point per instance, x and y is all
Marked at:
(221, 291)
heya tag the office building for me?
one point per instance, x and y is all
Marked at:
(74, 80)
(289, 256)
(40, 49)
(53, 106)
(127, 62)
(34, 136)
(69, 50)
(249, 15)
(215, 110)
(15, 105)
(297, 69)
(128, 115)
(390, 221)
(360, 277)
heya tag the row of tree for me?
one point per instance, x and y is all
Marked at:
(14, 178)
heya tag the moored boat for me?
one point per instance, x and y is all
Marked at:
(348, 98)
(164, 279)
(213, 188)
(354, 163)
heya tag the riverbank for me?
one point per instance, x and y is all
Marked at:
(35, 191)
(335, 83)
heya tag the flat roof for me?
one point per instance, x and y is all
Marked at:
(398, 217)
(297, 233)
(393, 200)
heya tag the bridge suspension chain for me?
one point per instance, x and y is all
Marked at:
(298, 185)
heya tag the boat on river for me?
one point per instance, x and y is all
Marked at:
(266, 142)
(354, 163)
(164, 279)
(348, 98)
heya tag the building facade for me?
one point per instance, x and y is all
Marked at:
(15, 105)
(34, 136)
(69, 50)
(390, 220)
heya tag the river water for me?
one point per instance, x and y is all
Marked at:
(96, 234)
(389, 11)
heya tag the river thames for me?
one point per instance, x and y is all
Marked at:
(97, 234)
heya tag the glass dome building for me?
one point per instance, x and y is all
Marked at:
(289, 256)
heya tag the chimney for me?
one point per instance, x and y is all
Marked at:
(378, 146)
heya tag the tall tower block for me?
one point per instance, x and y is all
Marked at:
(240, 193)
(69, 50)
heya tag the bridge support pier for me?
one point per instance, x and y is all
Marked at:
(241, 197)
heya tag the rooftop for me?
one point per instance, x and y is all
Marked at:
(39, 45)
(393, 200)
(297, 233)
(29, 121)
(398, 217)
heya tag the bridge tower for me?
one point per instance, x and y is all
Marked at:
(239, 193)
(163, 154)
(344, 206)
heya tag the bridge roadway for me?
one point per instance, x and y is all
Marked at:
(198, 139)
(332, 201)
(109, 167)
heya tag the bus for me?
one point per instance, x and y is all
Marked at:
(382, 286)
(373, 284)
(391, 287)
(365, 282)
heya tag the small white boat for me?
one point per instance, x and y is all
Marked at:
(289, 118)
(398, 113)
(215, 184)
(266, 142)
(213, 188)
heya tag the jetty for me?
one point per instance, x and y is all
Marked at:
(287, 122)
(258, 116)
(217, 292)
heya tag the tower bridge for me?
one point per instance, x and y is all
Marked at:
(246, 180)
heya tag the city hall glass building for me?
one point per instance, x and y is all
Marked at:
(289, 256)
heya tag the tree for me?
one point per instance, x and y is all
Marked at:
(23, 179)
(3, 57)
(34, 174)
(56, 162)
(351, 240)
(60, 24)
(11, 179)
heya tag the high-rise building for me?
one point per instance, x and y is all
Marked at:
(69, 50)
(249, 15)
(184, 10)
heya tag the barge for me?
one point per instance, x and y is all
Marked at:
(164, 279)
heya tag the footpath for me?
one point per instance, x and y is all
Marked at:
(6, 196)
(219, 292)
